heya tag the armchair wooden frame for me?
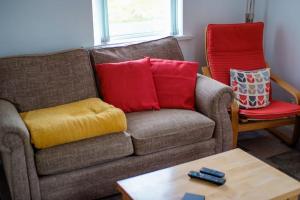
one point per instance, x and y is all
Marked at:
(269, 125)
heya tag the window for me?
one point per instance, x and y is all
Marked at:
(127, 19)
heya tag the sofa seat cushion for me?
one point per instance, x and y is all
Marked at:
(84, 153)
(154, 131)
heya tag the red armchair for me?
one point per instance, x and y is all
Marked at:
(241, 46)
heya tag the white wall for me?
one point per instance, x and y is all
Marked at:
(37, 26)
(282, 39)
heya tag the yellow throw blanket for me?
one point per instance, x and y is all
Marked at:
(72, 122)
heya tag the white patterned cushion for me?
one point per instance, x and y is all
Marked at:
(251, 88)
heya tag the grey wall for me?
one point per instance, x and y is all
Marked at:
(35, 26)
(282, 39)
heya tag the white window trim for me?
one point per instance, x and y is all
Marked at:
(101, 27)
(115, 43)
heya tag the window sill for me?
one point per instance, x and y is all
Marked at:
(142, 39)
(184, 37)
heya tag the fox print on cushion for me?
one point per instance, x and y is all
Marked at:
(252, 88)
(241, 77)
(261, 88)
(250, 78)
(252, 101)
(268, 86)
(234, 85)
(242, 88)
(261, 100)
(243, 100)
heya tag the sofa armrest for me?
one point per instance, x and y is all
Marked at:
(17, 154)
(213, 100)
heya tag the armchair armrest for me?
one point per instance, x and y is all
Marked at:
(213, 99)
(287, 87)
(17, 154)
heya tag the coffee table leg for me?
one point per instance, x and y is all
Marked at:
(293, 198)
(124, 194)
(125, 197)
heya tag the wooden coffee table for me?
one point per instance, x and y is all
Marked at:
(246, 178)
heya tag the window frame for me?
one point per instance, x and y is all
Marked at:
(104, 21)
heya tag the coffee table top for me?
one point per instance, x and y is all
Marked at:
(246, 178)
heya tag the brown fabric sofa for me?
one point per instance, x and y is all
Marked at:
(89, 169)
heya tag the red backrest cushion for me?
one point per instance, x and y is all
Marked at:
(128, 85)
(175, 83)
(238, 46)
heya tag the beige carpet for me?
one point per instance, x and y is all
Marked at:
(261, 144)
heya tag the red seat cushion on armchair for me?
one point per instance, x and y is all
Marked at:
(237, 46)
(276, 110)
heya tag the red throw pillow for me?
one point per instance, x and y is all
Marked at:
(128, 85)
(175, 83)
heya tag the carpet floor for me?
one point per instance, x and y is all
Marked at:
(288, 162)
(272, 151)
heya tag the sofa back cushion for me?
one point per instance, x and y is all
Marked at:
(39, 81)
(175, 83)
(165, 48)
(135, 90)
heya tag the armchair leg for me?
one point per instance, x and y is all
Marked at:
(235, 138)
(235, 123)
(296, 133)
(288, 140)
(235, 129)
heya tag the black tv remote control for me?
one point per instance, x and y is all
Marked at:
(206, 177)
(212, 172)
